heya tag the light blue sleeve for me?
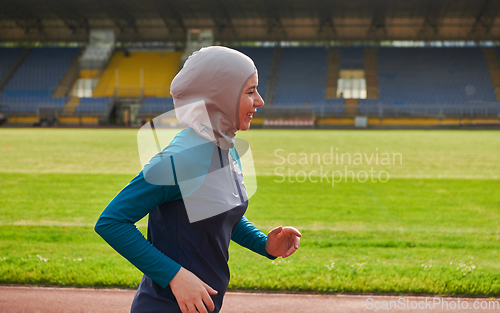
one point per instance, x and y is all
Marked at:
(116, 227)
(247, 235)
(154, 185)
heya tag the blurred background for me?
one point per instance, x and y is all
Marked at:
(372, 77)
(322, 64)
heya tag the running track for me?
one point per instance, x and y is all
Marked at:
(73, 300)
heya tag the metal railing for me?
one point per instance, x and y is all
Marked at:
(31, 109)
(286, 112)
(469, 111)
(131, 92)
(482, 110)
(486, 110)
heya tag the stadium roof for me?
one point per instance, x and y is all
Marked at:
(257, 20)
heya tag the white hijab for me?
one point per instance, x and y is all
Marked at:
(214, 78)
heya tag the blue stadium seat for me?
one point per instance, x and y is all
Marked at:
(431, 81)
(263, 59)
(433, 76)
(156, 105)
(41, 72)
(96, 105)
(8, 57)
(37, 78)
(302, 77)
(352, 58)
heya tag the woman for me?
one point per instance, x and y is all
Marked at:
(184, 259)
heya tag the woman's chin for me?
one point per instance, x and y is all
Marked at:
(244, 126)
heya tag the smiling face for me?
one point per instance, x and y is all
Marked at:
(250, 100)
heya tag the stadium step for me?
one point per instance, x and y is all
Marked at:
(89, 74)
(492, 60)
(68, 80)
(351, 107)
(332, 75)
(371, 73)
(273, 76)
(4, 80)
(70, 107)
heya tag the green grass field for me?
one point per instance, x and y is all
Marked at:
(432, 228)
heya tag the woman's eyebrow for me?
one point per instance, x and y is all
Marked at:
(251, 87)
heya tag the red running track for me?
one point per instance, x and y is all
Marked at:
(74, 300)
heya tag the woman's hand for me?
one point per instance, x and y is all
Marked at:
(191, 292)
(283, 241)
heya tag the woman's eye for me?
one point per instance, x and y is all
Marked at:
(251, 92)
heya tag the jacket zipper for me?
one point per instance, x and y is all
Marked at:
(229, 170)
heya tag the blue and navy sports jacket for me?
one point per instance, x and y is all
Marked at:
(179, 175)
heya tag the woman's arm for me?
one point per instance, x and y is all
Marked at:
(281, 241)
(247, 235)
(116, 227)
(157, 183)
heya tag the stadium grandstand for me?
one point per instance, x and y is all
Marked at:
(323, 64)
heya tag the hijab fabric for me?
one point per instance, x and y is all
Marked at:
(212, 78)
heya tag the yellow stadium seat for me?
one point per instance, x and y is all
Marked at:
(123, 74)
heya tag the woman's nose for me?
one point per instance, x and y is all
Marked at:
(259, 102)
